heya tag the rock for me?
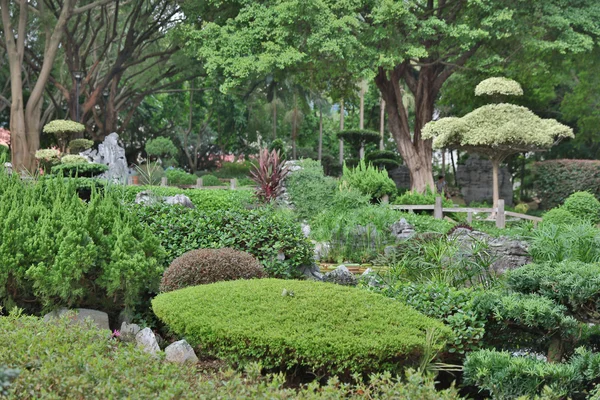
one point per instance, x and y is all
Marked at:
(402, 230)
(8, 167)
(146, 197)
(401, 176)
(147, 341)
(312, 272)
(370, 277)
(475, 177)
(389, 250)
(129, 331)
(305, 229)
(179, 199)
(280, 256)
(111, 154)
(180, 352)
(125, 316)
(341, 276)
(321, 250)
(99, 318)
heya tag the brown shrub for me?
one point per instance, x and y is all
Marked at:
(200, 267)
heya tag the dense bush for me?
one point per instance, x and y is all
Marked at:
(4, 154)
(64, 361)
(507, 377)
(574, 284)
(199, 267)
(583, 205)
(416, 198)
(272, 236)
(230, 170)
(177, 176)
(203, 199)
(559, 216)
(555, 180)
(73, 159)
(325, 328)
(579, 242)
(211, 180)
(369, 180)
(309, 189)
(56, 250)
(76, 146)
(79, 169)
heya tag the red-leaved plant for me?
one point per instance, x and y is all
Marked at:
(269, 174)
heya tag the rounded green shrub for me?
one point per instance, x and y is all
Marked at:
(200, 267)
(73, 159)
(78, 145)
(559, 216)
(583, 205)
(285, 324)
(211, 180)
(369, 180)
(87, 170)
(176, 176)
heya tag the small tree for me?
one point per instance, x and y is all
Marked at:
(163, 148)
(63, 130)
(497, 130)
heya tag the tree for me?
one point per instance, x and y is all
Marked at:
(497, 130)
(419, 44)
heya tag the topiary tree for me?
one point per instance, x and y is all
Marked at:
(383, 159)
(163, 148)
(76, 146)
(358, 138)
(583, 205)
(62, 130)
(497, 130)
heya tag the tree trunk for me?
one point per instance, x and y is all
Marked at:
(294, 126)
(495, 189)
(453, 168)
(555, 349)
(522, 177)
(361, 119)
(444, 162)
(275, 117)
(341, 129)
(320, 150)
(382, 124)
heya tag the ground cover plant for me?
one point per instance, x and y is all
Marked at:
(324, 328)
(272, 236)
(56, 250)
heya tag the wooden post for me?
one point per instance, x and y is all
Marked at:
(385, 199)
(232, 184)
(469, 217)
(500, 216)
(163, 181)
(199, 183)
(437, 210)
(130, 180)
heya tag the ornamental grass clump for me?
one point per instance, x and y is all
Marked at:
(200, 267)
(300, 326)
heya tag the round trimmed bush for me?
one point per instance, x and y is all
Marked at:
(211, 180)
(583, 205)
(199, 267)
(289, 324)
(559, 216)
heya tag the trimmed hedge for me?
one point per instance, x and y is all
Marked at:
(555, 180)
(63, 361)
(203, 199)
(583, 205)
(325, 328)
(266, 233)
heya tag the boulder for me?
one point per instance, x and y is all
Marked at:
(99, 318)
(402, 230)
(312, 272)
(180, 352)
(341, 276)
(305, 229)
(129, 331)
(179, 199)
(146, 340)
(111, 154)
(147, 197)
(321, 250)
(475, 180)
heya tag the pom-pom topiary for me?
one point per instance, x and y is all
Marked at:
(73, 159)
(498, 86)
(583, 205)
(558, 216)
(79, 145)
(199, 267)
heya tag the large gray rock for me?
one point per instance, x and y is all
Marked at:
(180, 352)
(147, 197)
(401, 176)
(312, 272)
(146, 340)
(111, 154)
(475, 181)
(402, 230)
(99, 318)
(508, 253)
(341, 276)
(179, 199)
(321, 250)
(129, 332)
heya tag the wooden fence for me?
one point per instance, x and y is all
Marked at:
(233, 184)
(439, 210)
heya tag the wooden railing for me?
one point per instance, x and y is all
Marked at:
(233, 184)
(439, 210)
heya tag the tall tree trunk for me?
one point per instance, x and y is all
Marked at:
(522, 177)
(361, 118)
(320, 150)
(381, 124)
(341, 129)
(453, 167)
(274, 116)
(294, 127)
(495, 189)
(444, 162)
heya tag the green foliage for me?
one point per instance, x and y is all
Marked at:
(4, 154)
(558, 216)
(426, 223)
(150, 173)
(369, 180)
(230, 170)
(200, 267)
(161, 147)
(176, 176)
(309, 189)
(326, 328)
(87, 170)
(61, 360)
(278, 145)
(416, 198)
(7, 375)
(574, 284)
(555, 180)
(73, 159)
(76, 146)
(508, 377)
(522, 208)
(263, 232)
(62, 126)
(203, 199)
(498, 86)
(583, 205)
(211, 180)
(56, 250)
(579, 242)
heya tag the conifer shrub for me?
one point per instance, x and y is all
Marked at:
(56, 250)
(79, 169)
(200, 267)
(310, 190)
(320, 327)
(369, 180)
(176, 176)
(583, 205)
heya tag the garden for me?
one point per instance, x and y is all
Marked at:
(299, 200)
